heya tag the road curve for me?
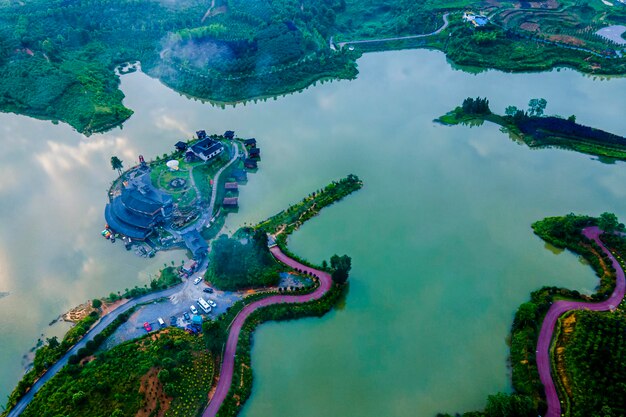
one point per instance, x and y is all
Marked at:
(398, 38)
(560, 307)
(226, 372)
(101, 325)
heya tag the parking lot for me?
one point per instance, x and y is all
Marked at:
(176, 305)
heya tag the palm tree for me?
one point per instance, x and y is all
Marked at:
(116, 164)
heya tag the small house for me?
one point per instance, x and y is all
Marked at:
(229, 134)
(231, 186)
(239, 175)
(255, 153)
(250, 143)
(189, 267)
(181, 146)
(250, 163)
(230, 202)
(201, 134)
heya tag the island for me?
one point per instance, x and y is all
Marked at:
(537, 131)
(62, 62)
(182, 345)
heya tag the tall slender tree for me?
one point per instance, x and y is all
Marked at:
(116, 164)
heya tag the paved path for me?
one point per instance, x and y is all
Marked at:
(561, 307)
(216, 179)
(399, 38)
(226, 372)
(104, 322)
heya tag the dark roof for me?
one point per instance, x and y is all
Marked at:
(230, 201)
(195, 243)
(181, 145)
(230, 186)
(206, 147)
(118, 226)
(141, 196)
(229, 134)
(201, 134)
(250, 163)
(255, 151)
(251, 141)
(139, 208)
(239, 174)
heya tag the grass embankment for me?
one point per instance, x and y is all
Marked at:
(545, 132)
(170, 371)
(528, 399)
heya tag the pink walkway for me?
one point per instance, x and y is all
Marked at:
(560, 307)
(226, 373)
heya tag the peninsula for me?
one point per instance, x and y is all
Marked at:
(117, 366)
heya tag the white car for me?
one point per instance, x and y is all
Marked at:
(212, 303)
(197, 281)
(193, 309)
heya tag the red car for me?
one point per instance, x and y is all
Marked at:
(147, 326)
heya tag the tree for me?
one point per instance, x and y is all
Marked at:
(96, 303)
(536, 106)
(116, 164)
(53, 342)
(341, 266)
(511, 110)
(572, 118)
(211, 331)
(608, 222)
(164, 376)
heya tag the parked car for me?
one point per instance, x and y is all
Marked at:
(161, 322)
(173, 321)
(197, 281)
(208, 289)
(193, 309)
(212, 303)
(147, 326)
(186, 316)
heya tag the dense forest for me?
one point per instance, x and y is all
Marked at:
(58, 57)
(170, 372)
(242, 262)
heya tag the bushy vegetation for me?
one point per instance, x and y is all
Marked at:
(595, 368)
(109, 385)
(242, 262)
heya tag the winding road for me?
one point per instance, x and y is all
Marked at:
(398, 38)
(101, 325)
(228, 363)
(559, 308)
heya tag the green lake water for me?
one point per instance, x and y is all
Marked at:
(439, 236)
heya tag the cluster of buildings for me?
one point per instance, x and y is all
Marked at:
(478, 20)
(140, 207)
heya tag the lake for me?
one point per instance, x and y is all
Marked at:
(439, 236)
